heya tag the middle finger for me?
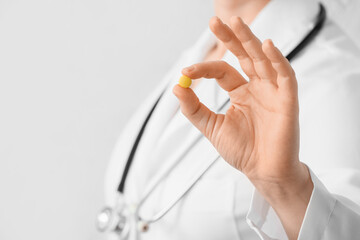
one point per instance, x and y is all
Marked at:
(227, 36)
(253, 46)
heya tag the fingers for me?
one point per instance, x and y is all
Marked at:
(285, 73)
(253, 47)
(227, 36)
(198, 114)
(227, 77)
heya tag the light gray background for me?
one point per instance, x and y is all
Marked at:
(71, 73)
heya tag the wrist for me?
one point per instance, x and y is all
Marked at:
(289, 196)
(295, 185)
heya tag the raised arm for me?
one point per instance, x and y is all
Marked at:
(259, 134)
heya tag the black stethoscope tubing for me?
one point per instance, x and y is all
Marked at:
(321, 17)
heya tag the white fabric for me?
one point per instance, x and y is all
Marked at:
(328, 216)
(346, 14)
(216, 207)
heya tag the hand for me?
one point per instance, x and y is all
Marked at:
(259, 134)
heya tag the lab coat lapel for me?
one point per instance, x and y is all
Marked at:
(168, 104)
(289, 28)
(126, 142)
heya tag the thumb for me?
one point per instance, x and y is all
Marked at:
(198, 114)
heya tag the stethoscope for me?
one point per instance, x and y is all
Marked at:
(119, 219)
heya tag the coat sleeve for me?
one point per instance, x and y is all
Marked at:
(328, 216)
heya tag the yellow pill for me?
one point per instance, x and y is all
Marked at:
(185, 81)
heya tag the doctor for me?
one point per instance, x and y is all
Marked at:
(177, 186)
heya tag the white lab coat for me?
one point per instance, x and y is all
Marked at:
(223, 203)
(346, 14)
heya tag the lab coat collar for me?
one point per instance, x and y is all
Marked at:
(286, 22)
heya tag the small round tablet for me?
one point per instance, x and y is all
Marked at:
(185, 81)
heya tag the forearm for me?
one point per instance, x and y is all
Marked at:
(288, 197)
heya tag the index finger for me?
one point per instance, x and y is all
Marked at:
(227, 77)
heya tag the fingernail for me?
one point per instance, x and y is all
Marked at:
(189, 69)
